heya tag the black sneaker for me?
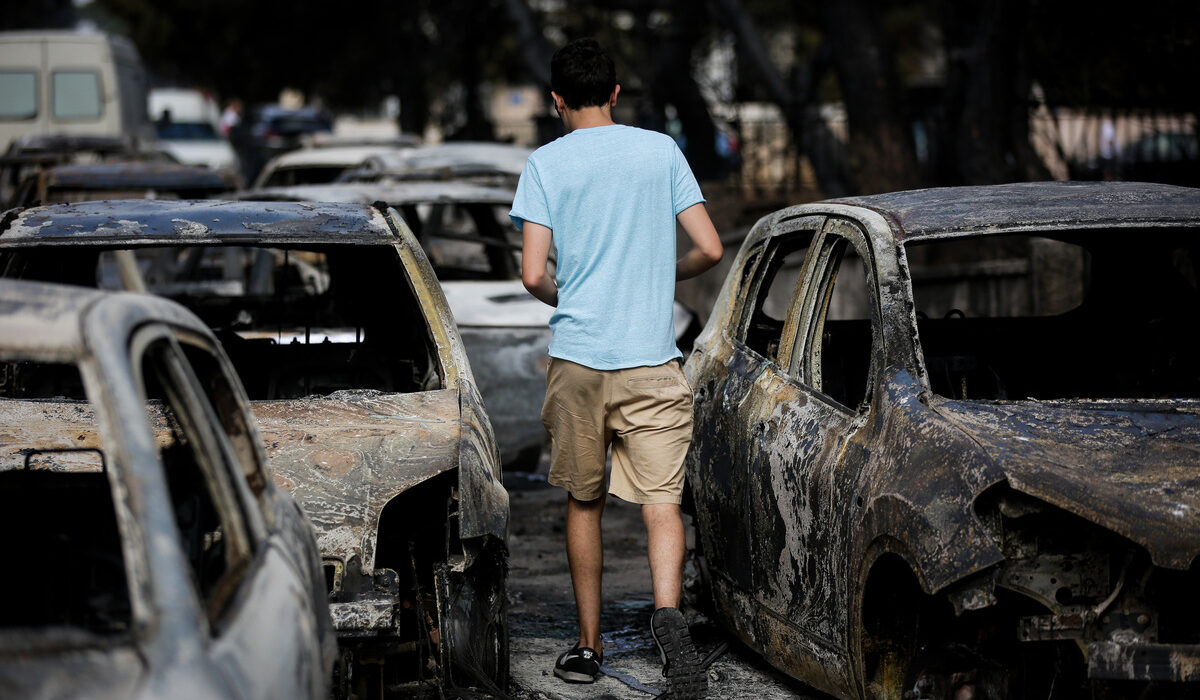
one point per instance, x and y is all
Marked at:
(579, 665)
(682, 665)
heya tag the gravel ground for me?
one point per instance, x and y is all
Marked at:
(542, 612)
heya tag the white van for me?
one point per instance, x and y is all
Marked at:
(70, 83)
(185, 122)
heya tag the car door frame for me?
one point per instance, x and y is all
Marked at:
(799, 493)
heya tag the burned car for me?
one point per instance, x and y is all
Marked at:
(365, 401)
(125, 179)
(317, 165)
(150, 554)
(946, 441)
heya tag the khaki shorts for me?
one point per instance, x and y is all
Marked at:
(645, 413)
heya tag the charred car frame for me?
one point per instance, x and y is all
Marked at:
(364, 397)
(151, 554)
(949, 439)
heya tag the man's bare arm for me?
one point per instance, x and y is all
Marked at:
(706, 248)
(535, 253)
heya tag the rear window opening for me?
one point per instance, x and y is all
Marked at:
(1085, 315)
(294, 322)
(64, 563)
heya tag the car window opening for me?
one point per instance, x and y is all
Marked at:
(847, 341)
(67, 564)
(777, 282)
(1097, 314)
(294, 322)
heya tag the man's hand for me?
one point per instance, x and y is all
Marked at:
(706, 244)
(535, 253)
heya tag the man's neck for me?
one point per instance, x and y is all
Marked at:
(587, 117)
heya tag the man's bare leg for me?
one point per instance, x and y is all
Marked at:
(664, 532)
(585, 555)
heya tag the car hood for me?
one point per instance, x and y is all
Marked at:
(500, 303)
(344, 456)
(1130, 466)
(506, 304)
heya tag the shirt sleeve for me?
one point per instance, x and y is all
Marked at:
(529, 203)
(684, 190)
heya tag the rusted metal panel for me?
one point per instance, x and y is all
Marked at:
(1128, 466)
(1112, 660)
(345, 456)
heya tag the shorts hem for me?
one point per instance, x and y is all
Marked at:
(647, 500)
(570, 488)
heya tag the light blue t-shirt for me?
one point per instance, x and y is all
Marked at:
(610, 195)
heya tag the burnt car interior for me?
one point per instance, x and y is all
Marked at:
(68, 529)
(1094, 314)
(294, 322)
(465, 241)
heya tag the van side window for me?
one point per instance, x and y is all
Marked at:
(77, 95)
(18, 95)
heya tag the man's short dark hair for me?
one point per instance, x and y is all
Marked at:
(583, 74)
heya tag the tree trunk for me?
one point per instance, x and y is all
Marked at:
(811, 136)
(672, 82)
(881, 152)
(987, 94)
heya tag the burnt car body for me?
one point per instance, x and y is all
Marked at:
(149, 553)
(365, 401)
(950, 437)
(127, 179)
(465, 230)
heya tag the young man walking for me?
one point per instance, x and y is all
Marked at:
(608, 196)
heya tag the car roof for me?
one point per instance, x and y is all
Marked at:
(500, 157)
(394, 193)
(138, 174)
(930, 213)
(174, 222)
(346, 156)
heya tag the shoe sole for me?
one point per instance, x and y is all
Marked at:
(686, 676)
(574, 676)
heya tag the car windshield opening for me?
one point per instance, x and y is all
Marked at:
(1083, 315)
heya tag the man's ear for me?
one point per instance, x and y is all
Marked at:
(612, 100)
(560, 104)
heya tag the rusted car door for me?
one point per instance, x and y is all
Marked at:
(723, 437)
(801, 471)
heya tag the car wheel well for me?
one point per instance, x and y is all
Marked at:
(890, 618)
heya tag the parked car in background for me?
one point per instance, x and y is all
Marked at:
(946, 442)
(475, 253)
(365, 401)
(483, 162)
(185, 124)
(132, 179)
(151, 554)
(71, 83)
(318, 165)
(29, 155)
